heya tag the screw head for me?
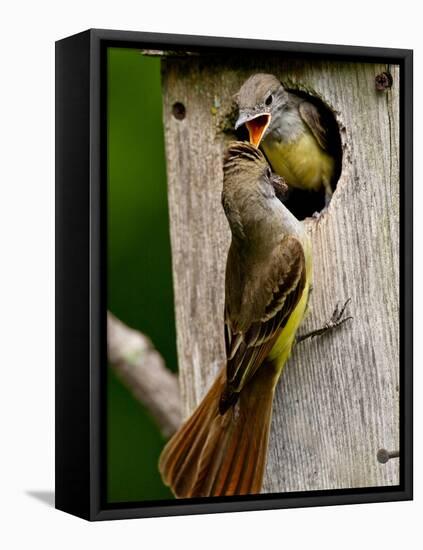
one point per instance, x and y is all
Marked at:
(383, 81)
(383, 456)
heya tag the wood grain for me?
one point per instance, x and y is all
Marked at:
(337, 402)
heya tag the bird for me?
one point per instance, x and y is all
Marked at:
(296, 135)
(221, 449)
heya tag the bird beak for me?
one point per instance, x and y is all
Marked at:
(256, 126)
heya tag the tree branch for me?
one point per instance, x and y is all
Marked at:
(141, 367)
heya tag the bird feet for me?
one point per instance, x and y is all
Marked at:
(335, 321)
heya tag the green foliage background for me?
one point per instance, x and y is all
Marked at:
(139, 262)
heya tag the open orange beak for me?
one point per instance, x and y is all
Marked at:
(256, 128)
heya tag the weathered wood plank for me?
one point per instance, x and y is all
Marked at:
(337, 401)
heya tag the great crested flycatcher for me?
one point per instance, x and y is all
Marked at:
(221, 449)
(292, 132)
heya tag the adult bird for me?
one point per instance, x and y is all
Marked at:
(222, 448)
(294, 133)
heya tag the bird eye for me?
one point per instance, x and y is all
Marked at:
(269, 173)
(269, 99)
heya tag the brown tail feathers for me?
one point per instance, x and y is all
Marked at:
(216, 454)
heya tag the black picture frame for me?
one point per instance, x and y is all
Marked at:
(81, 276)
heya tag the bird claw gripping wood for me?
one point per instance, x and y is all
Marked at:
(335, 321)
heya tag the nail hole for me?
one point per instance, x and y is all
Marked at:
(178, 110)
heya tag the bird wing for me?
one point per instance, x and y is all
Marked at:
(264, 306)
(311, 116)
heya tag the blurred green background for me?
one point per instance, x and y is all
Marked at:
(139, 262)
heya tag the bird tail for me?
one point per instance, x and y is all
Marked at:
(215, 454)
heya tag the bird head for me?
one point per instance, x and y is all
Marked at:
(258, 99)
(246, 168)
(250, 192)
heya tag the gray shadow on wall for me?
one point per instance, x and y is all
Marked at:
(46, 497)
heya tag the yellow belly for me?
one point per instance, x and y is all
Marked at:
(302, 163)
(282, 349)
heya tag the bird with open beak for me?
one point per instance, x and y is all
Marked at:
(290, 130)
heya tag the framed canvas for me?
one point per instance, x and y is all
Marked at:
(233, 274)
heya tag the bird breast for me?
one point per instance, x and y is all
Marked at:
(301, 161)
